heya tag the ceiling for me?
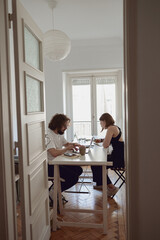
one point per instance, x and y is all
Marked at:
(80, 19)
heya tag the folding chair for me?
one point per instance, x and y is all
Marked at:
(60, 196)
(51, 179)
(120, 171)
(87, 174)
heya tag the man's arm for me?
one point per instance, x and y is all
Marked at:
(57, 152)
(73, 144)
(66, 144)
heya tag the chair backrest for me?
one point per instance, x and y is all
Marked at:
(47, 140)
(15, 148)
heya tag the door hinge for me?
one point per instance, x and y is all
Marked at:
(10, 18)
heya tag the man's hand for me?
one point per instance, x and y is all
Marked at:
(76, 145)
(70, 146)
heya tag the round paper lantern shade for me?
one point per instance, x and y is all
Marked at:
(57, 45)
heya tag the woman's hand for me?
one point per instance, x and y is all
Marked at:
(97, 140)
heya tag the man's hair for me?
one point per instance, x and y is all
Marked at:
(108, 119)
(58, 121)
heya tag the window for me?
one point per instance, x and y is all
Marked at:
(81, 95)
(105, 97)
(88, 97)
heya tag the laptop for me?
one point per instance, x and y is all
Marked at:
(88, 147)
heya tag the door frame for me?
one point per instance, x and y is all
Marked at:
(8, 228)
(91, 75)
(7, 199)
(131, 109)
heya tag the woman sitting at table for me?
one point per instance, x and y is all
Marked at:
(113, 137)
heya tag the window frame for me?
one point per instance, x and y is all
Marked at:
(67, 96)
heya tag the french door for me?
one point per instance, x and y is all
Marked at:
(91, 96)
(28, 53)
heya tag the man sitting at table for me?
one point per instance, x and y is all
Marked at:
(58, 145)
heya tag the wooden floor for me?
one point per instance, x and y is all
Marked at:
(93, 200)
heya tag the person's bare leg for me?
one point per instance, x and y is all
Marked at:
(112, 190)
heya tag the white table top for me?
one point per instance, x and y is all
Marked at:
(96, 156)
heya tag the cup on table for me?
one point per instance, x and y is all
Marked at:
(82, 150)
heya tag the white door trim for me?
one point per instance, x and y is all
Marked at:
(7, 195)
(131, 128)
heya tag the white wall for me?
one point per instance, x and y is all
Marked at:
(144, 119)
(85, 55)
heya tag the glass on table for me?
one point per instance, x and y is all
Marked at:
(82, 141)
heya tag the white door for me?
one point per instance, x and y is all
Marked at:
(28, 43)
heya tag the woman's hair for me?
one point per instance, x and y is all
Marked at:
(108, 119)
(58, 121)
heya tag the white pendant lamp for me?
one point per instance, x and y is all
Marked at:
(57, 44)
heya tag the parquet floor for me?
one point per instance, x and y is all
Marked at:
(116, 215)
(93, 200)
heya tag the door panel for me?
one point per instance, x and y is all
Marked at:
(35, 140)
(40, 223)
(37, 185)
(31, 47)
(28, 43)
(33, 94)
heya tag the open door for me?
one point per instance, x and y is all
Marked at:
(28, 46)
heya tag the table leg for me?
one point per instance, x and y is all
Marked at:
(59, 194)
(104, 174)
(54, 223)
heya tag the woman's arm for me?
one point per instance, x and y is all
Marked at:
(108, 137)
